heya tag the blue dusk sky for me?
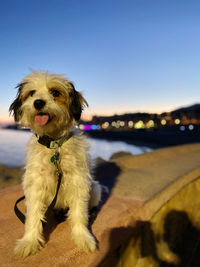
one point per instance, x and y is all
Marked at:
(125, 56)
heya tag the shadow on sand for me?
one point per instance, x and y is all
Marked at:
(106, 173)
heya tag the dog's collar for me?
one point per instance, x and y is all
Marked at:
(51, 143)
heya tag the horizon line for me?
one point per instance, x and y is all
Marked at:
(88, 117)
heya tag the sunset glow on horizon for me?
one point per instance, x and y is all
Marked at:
(87, 114)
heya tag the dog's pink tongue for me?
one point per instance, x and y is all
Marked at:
(41, 120)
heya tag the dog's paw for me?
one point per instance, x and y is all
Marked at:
(26, 247)
(84, 240)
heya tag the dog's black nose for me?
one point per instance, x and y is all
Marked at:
(39, 104)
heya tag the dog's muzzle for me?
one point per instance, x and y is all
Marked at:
(39, 104)
(41, 119)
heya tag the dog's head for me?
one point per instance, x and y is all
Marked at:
(47, 103)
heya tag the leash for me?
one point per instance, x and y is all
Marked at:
(49, 143)
(54, 160)
(20, 215)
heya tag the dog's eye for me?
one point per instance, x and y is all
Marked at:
(55, 93)
(32, 92)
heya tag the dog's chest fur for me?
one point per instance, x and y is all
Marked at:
(42, 172)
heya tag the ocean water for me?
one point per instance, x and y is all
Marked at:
(13, 147)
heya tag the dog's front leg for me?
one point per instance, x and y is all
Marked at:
(33, 238)
(78, 217)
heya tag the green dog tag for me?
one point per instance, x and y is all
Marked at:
(54, 157)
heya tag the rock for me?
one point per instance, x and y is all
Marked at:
(10, 176)
(98, 160)
(120, 154)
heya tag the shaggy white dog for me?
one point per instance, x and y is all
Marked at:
(50, 106)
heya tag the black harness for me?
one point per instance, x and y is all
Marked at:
(52, 144)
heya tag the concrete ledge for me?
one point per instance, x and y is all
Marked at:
(140, 186)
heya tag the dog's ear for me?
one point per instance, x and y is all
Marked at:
(15, 107)
(77, 103)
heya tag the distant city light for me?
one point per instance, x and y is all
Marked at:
(122, 123)
(118, 124)
(81, 126)
(24, 127)
(95, 127)
(87, 127)
(163, 122)
(191, 127)
(150, 124)
(182, 128)
(177, 121)
(105, 125)
(113, 123)
(130, 124)
(139, 125)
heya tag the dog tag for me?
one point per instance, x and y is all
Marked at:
(54, 158)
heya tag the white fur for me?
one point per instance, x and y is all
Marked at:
(77, 191)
